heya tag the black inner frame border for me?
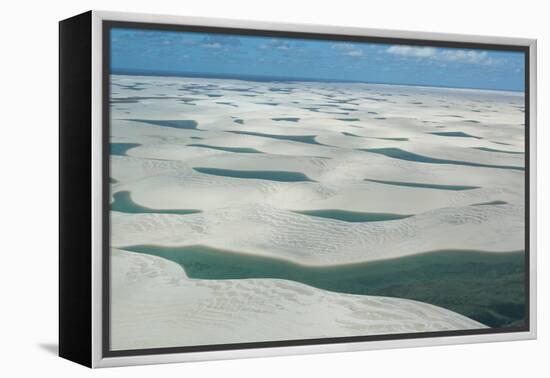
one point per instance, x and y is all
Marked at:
(107, 25)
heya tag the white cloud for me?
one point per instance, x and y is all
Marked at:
(220, 41)
(466, 56)
(187, 41)
(418, 52)
(276, 44)
(342, 46)
(354, 53)
(214, 45)
(348, 49)
(441, 55)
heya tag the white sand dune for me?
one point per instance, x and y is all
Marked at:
(319, 241)
(155, 305)
(340, 184)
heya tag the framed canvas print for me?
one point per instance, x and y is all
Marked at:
(235, 189)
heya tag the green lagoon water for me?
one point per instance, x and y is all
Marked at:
(122, 202)
(309, 139)
(289, 119)
(227, 103)
(186, 124)
(352, 216)
(459, 134)
(120, 149)
(351, 134)
(490, 203)
(381, 138)
(398, 153)
(283, 176)
(395, 139)
(244, 150)
(424, 185)
(487, 287)
(487, 149)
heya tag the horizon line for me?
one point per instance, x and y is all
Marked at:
(268, 78)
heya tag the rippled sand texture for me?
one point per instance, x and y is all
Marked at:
(317, 174)
(154, 304)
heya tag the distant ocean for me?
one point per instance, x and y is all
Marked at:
(280, 79)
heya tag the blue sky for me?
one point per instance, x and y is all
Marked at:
(223, 54)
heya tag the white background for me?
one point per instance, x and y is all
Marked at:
(28, 165)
